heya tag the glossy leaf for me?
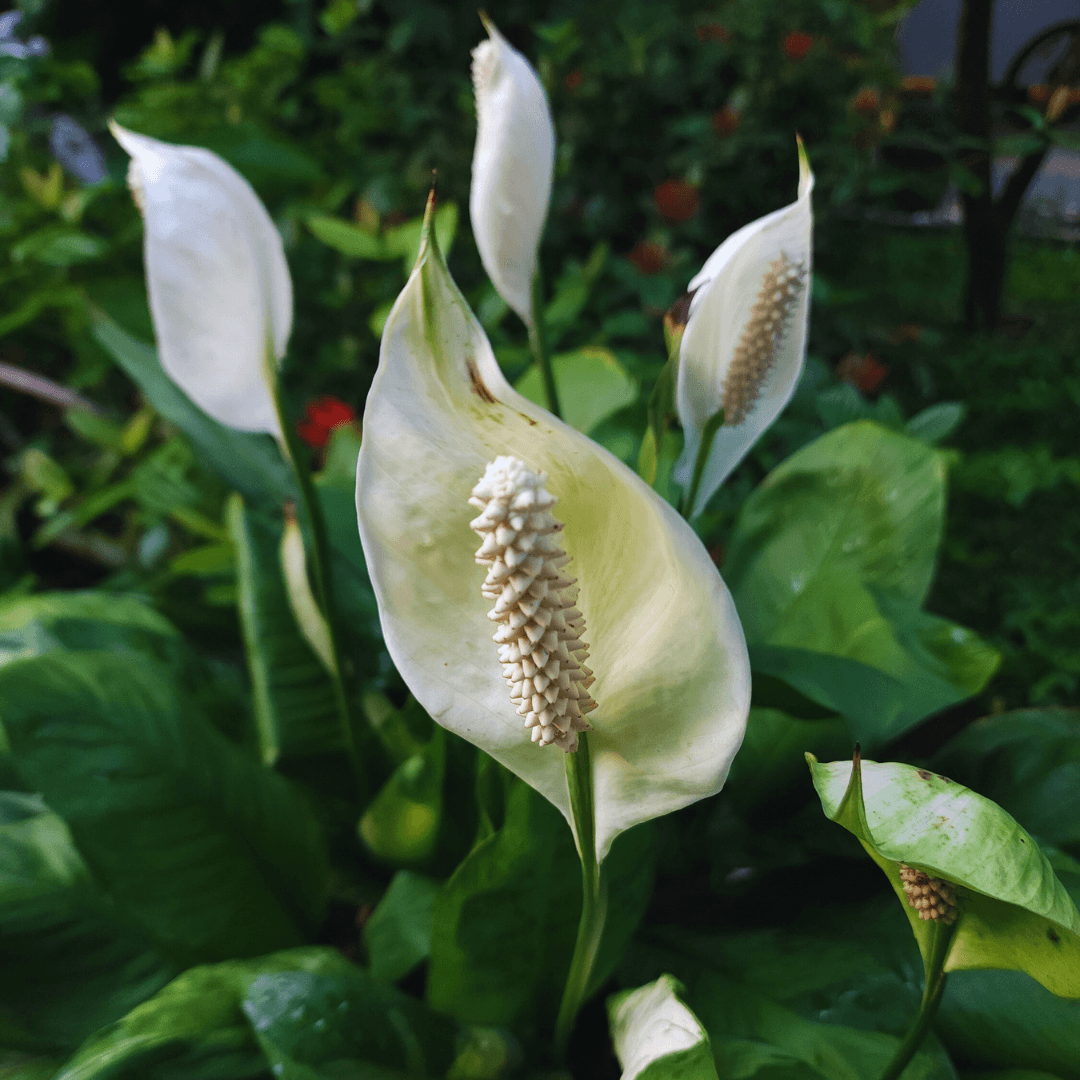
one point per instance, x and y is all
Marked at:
(836, 548)
(1014, 913)
(672, 694)
(325, 1024)
(295, 709)
(212, 855)
(656, 1036)
(195, 1027)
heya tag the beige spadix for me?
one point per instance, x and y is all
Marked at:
(672, 679)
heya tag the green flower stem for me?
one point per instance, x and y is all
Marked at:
(322, 578)
(711, 428)
(935, 987)
(538, 346)
(594, 895)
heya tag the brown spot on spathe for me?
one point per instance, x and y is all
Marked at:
(924, 775)
(477, 384)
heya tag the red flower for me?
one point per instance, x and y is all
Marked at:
(649, 258)
(713, 32)
(866, 101)
(726, 121)
(797, 44)
(676, 200)
(321, 416)
(574, 79)
(863, 371)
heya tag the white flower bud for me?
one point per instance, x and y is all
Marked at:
(219, 287)
(512, 168)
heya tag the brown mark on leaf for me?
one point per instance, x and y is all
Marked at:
(477, 384)
(1054, 939)
(924, 775)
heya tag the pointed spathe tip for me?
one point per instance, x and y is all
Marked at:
(856, 757)
(428, 239)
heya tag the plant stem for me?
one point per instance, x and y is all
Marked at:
(711, 428)
(538, 346)
(935, 987)
(322, 578)
(594, 894)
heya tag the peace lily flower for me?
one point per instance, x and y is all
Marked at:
(220, 292)
(576, 547)
(512, 167)
(745, 341)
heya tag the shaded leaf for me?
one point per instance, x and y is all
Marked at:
(210, 854)
(398, 934)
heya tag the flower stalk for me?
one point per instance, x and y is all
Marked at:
(538, 346)
(593, 899)
(944, 931)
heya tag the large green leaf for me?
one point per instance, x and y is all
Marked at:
(251, 463)
(1014, 913)
(505, 922)
(837, 548)
(70, 963)
(195, 1028)
(213, 855)
(1029, 762)
(657, 1037)
(326, 1025)
(295, 709)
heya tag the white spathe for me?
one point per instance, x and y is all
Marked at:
(672, 678)
(219, 286)
(726, 293)
(512, 168)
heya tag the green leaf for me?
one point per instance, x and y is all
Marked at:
(348, 239)
(657, 1037)
(80, 621)
(1004, 1019)
(572, 292)
(401, 826)
(937, 422)
(344, 1024)
(70, 962)
(591, 382)
(1029, 762)
(505, 922)
(398, 934)
(195, 1028)
(295, 709)
(250, 463)
(59, 245)
(837, 547)
(1014, 913)
(212, 855)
